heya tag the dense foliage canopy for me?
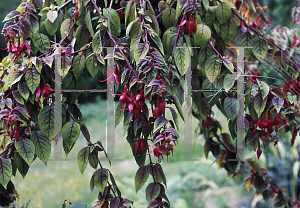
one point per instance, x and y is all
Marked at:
(149, 41)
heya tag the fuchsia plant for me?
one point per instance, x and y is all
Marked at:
(149, 41)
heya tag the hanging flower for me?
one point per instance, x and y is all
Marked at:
(139, 146)
(157, 152)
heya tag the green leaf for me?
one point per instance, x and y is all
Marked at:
(119, 114)
(202, 35)
(205, 4)
(169, 17)
(42, 145)
(25, 148)
(5, 171)
(159, 123)
(168, 39)
(93, 65)
(175, 117)
(32, 79)
(228, 64)
(156, 39)
(22, 166)
(228, 30)
(41, 42)
(245, 40)
(154, 24)
(223, 12)
(259, 103)
(65, 27)
(18, 97)
(11, 14)
(179, 56)
(178, 106)
(260, 48)
(13, 78)
(22, 111)
(66, 63)
(141, 51)
(152, 191)
(93, 159)
(101, 179)
(82, 158)
(51, 27)
(204, 54)
(278, 103)
(81, 36)
(114, 24)
(231, 107)
(229, 81)
(46, 121)
(97, 43)
(264, 87)
(88, 24)
(130, 12)
(212, 67)
(78, 65)
(157, 173)
(141, 177)
(70, 134)
(23, 90)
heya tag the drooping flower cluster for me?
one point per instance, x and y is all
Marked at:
(190, 25)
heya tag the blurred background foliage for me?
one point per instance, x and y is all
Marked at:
(190, 184)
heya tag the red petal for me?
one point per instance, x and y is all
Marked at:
(258, 152)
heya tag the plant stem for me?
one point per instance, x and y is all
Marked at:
(110, 36)
(164, 10)
(9, 146)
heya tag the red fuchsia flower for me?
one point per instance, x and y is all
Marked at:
(130, 106)
(258, 151)
(137, 109)
(262, 123)
(76, 13)
(162, 106)
(109, 78)
(115, 75)
(123, 98)
(47, 90)
(38, 92)
(166, 146)
(294, 40)
(207, 122)
(277, 120)
(139, 146)
(25, 46)
(121, 13)
(156, 112)
(157, 152)
(190, 25)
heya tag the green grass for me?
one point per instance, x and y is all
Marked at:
(190, 184)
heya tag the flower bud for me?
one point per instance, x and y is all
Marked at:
(156, 112)
(123, 98)
(162, 107)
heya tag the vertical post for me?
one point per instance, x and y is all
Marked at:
(58, 110)
(110, 107)
(240, 141)
(188, 136)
